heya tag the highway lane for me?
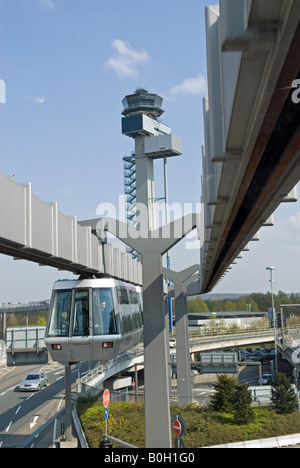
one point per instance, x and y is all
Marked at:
(23, 413)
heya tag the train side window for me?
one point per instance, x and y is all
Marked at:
(81, 313)
(60, 313)
(119, 294)
(104, 320)
(125, 299)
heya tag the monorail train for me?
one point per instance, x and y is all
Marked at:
(93, 319)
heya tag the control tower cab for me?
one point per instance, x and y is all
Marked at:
(141, 112)
(153, 140)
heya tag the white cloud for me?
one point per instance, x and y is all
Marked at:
(191, 86)
(36, 99)
(125, 61)
(47, 4)
(66, 191)
(294, 221)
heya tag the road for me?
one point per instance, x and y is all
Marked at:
(23, 414)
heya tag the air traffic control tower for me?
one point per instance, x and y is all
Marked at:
(153, 140)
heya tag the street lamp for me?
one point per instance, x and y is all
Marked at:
(271, 269)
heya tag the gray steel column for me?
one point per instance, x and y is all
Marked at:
(157, 403)
(184, 385)
(68, 405)
(3, 326)
(152, 245)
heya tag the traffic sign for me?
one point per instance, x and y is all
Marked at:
(177, 427)
(106, 413)
(106, 398)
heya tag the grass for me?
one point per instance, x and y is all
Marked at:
(204, 427)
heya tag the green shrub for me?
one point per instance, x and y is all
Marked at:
(222, 400)
(204, 426)
(284, 398)
(243, 413)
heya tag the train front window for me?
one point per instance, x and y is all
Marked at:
(104, 320)
(81, 313)
(60, 313)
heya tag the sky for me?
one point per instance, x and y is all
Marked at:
(67, 65)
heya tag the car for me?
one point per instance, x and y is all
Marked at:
(172, 343)
(34, 382)
(266, 379)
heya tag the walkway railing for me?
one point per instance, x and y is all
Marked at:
(200, 338)
(97, 372)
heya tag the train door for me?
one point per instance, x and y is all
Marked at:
(80, 336)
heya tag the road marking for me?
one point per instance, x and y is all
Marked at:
(8, 390)
(18, 410)
(5, 371)
(29, 397)
(8, 427)
(34, 422)
(60, 402)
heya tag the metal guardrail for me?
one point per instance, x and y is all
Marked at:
(217, 337)
(25, 338)
(118, 441)
(103, 368)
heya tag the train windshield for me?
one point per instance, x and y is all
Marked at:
(81, 313)
(104, 320)
(102, 308)
(60, 313)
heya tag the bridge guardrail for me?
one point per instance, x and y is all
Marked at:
(99, 370)
(201, 339)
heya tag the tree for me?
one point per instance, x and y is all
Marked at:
(223, 399)
(197, 305)
(41, 321)
(229, 306)
(243, 413)
(284, 399)
(254, 306)
(241, 304)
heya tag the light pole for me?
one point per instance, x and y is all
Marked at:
(271, 269)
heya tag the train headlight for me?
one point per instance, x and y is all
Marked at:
(108, 345)
(56, 347)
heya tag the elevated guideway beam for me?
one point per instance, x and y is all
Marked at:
(251, 159)
(34, 230)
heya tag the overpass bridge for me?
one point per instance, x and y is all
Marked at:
(197, 344)
(200, 344)
(28, 307)
(288, 345)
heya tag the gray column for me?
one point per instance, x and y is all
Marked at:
(3, 327)
(184, 385)
(152, 245)
(68, 404)
(157, 403)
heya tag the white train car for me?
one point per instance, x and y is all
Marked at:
(93, 320)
